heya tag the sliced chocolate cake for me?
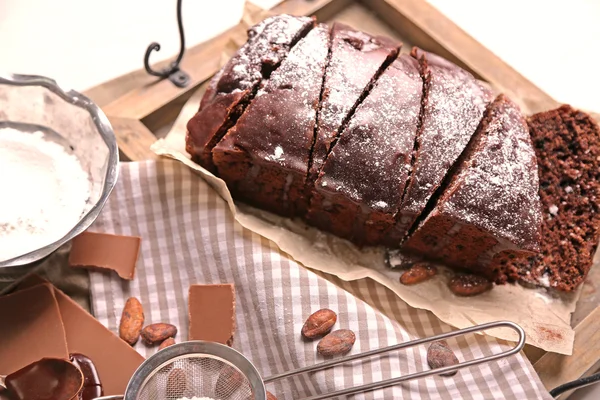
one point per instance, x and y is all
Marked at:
(454, 105)
(360, 186)
(356, 59)
(490, 203)
(567, 144)
(234, 86)
(264, 157)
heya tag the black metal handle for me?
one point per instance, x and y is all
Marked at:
(175, 75)
(576, 384)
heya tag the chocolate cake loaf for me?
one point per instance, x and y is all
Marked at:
(409, 152)
(356, 60)
(567, 144)
(264, 157)
(359, 189)
(234, 86)
(454, 105)
(490, 203)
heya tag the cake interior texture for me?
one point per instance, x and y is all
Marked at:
(567, 145)
(330, 125)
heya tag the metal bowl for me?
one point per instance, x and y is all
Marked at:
(33, 103)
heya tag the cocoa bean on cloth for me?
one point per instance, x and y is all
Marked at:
(189, 236)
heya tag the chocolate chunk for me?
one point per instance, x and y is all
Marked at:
(212, 313)
(92, 387)
(105, 251)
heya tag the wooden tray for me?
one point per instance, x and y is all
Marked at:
(142, 108)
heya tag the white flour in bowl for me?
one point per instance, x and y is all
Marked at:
(44, 191)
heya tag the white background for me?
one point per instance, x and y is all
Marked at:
(81, 43)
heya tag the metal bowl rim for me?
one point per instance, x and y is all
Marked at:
(112, 171)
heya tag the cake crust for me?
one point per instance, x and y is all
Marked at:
(454, 105)
(356, 60)
(360, 186)
(264, 157)
(490, 203)
(233, 87)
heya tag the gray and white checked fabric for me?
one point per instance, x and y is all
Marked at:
(189, 236)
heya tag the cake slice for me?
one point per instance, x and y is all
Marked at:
(491, 203)
(234, 86)
(567, 145)
(359, 189)
(356, 60)
(454, 105)
(264, 157)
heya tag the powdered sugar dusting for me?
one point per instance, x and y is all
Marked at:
(370, 162)
(497, 187)
(298, 81)
(356, 58)
(278, 125)
(455, 105)
(268, 43)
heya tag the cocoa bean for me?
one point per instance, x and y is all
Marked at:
(440, 355)
(132, 320)
(418, 273)
(337, 342)
(469, 285)
(157, 333)
(319, 323)
(166, 343)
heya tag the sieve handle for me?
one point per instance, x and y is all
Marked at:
(422, 374)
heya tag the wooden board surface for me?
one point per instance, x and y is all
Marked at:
(140, 107)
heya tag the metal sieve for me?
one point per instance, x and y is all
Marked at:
(211, 370)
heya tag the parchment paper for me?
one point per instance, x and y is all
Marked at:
(545, 318)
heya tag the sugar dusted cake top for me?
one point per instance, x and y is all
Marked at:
(496, 189)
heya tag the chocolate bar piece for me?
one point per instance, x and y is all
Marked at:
(115, 360)
(30, 328)
(212, 313)
(106, 251)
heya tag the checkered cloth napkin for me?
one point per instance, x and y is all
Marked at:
(189, 237)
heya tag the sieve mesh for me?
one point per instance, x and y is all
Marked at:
(196, 375)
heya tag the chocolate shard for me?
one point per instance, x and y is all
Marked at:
(212, 313)
(490, 204)
(454, 105)
(106, 251)
(264, 157)
(359, 190)
(92, 386)
(86, 335)
(31, 328)
(232, 88)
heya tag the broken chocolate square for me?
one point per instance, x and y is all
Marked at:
(212, 313)
(30, 328)
(106, 251)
